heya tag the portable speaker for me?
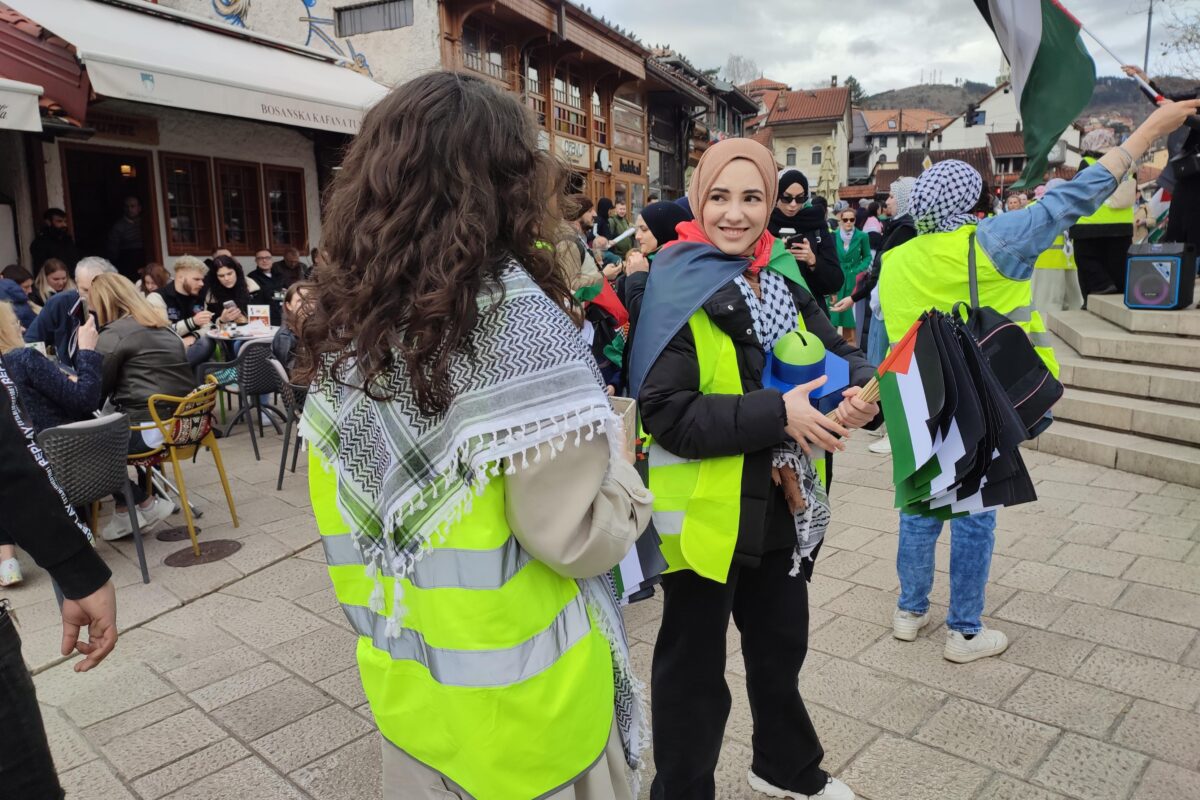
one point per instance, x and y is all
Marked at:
(1160, 276)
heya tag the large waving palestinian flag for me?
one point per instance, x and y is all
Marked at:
(1052, 73)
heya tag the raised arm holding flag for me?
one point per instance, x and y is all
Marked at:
(930, 272)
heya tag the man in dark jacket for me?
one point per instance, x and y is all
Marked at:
(125, 245)
(811, 243)
(272, 284)
(54, 241)
(37, 517)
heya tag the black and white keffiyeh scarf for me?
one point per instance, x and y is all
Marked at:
(403, 478)
(775, 316)
(943, 197)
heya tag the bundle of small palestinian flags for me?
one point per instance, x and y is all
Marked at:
(954, 432)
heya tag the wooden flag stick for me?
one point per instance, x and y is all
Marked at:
(869, 394)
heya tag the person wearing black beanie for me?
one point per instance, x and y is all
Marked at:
(654, 227)
(804, 224)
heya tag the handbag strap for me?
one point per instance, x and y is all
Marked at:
(973, 277)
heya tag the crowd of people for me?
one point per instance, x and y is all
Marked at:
(471, 479)
(80, 337)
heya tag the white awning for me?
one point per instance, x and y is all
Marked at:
(150, 54)
(19, 106)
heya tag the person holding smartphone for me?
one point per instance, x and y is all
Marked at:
(229, 292)
(802, 228)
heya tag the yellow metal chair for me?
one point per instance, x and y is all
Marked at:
(188, 428)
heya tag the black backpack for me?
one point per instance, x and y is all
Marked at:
(1026, 379)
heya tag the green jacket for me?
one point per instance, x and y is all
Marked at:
(617, 226)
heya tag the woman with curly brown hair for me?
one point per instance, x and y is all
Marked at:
(468, 478)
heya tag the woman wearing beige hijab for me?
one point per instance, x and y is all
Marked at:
(740, 499)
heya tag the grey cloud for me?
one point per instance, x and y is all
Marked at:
(884, 45)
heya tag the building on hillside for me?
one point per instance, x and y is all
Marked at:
(996, 112)
(810, 129)
(127, 99)
(585, 79)
(894, 130)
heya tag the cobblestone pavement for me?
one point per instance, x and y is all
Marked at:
(237, 679)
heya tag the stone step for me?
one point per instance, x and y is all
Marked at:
(1185, 322)
(1134, 380)
(1089, 335)
(1166, 461)
(1137, 415)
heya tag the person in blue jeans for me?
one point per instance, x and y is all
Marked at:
(946, 198)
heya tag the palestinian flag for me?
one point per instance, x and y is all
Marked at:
(602, 294)
(912, 392)
(1052, 73)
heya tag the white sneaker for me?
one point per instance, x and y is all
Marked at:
(882, 447)
(962, 650)
(155, 513)
(10, 572)
(119, 526)
(906, 624)
(834, 789)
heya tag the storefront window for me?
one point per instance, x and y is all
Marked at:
(286, 207)
(188, 195)
(240, 206)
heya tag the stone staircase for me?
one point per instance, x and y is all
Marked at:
(1132, 397)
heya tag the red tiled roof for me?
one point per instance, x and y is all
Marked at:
(1006, 144)
(759, 84)
(886, 176)
(857, 192)
(910, 161)
(764, 137)
(914, 120)
(1062, 171)
(809, 105)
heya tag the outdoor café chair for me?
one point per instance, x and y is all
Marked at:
(292, 396)
(88, 460)
(254, 377)
(188, 428)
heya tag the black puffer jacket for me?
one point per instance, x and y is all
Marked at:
(824, 277)
(694, 425)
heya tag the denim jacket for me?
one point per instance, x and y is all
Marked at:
(1014, 240)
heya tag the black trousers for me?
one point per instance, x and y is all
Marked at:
(1101, 263)
(690, 699)
(26, 766)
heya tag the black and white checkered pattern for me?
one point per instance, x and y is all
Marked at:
(944, 195)
(775, 314)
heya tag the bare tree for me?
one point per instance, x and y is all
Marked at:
(740, 69)
(1183, 40)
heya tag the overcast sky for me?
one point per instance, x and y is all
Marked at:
(884, 43)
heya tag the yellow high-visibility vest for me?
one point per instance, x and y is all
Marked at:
(930, 271)
(497, 677)
(698, 502)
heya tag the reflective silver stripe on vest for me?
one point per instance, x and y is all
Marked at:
(1021, 314)
(1041, 340)
(659, 456)
(443, 567)
(668, 522)
(478, 668)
